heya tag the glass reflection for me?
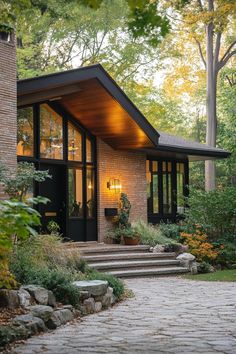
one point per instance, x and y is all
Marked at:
(25, 132)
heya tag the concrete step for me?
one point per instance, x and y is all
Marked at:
(108, 249)
(118, 265)
(132, 273)
(127, 256)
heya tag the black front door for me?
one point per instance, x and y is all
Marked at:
(55, 190)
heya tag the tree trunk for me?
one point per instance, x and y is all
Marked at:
(211, 72)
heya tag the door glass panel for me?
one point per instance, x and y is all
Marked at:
(89, 157)
(25, 132)
(74, 143)
(180, 187)
(75, 191)
(167, 187)
(155, 205)
(51, 134)
(154, 166)
(90, 193)
(148, 179)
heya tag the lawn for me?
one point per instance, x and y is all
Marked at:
(220, 275)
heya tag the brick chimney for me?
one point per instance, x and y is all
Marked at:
(8, 100)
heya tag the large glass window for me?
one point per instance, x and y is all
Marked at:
(90, 193)
(167, 187)
(75, 190)
(89, 152)
(74, 143)
(51, 134)
(25, 132)
(180, 187)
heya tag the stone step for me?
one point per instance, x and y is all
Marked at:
(118, 265)
(107, 249)
(132, 273)
(128, 255)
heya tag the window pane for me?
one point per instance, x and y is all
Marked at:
(75, 193)
(51, 136)
(167, 187)
(25, 132)
(148, 179)
(89, 157)
(154, 166)
(90, 193)
(74, 144)
(155, 205)
(180, 187)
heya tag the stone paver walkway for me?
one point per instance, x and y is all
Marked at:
(167, 315)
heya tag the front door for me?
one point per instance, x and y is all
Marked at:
(54, 189)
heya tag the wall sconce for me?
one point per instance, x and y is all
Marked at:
(114, 185)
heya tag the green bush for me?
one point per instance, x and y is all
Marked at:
(171, 230)
(215, 211)
(115, 283)
(150, 235)
(227, 254)
(204, 267)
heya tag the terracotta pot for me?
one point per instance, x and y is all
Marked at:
(131, 241)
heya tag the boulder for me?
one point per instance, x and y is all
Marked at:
(113, 299)
(9, 298)
(53, 322)
(38, 293)
(41, 311)
(64, 315)
(32, 323)
(158, 249)
(84, 294)
(89, 305)
(106, 300)
(186, 260)
(51, 299)
(24, 297)
(94, 287)
(98, 306)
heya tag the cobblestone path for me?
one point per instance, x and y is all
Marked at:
(167, 315)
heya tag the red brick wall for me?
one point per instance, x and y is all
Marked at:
(129, 168)
(8, 120)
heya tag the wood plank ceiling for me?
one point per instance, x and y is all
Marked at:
(104, 117)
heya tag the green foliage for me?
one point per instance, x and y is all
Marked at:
(221, 275)
(204, 267)
(115, 283)
(53, 227)
(227, 253)
(18, 186)
(215, 211)
(151, 235)
(124, 211)
(171, 230)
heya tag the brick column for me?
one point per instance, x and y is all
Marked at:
(8, 104)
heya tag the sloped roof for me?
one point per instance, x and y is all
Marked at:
(92, 97)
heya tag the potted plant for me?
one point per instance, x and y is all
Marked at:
(131, 237)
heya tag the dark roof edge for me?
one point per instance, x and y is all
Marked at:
(88, 72)
(194, 151)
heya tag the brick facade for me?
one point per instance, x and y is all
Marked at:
(129, 168)
(8, 102)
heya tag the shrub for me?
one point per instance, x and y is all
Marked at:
(215, 211)
(199, 245)
(171, 230)
(115, 283)
(226, 254)
(204, 267)
(150, 235)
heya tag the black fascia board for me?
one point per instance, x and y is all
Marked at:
(46, 82)
(196, 152)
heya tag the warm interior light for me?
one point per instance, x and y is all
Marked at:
(114, 185)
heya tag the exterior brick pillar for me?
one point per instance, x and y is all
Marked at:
(8, 103)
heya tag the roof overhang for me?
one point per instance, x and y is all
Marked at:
(92, 97)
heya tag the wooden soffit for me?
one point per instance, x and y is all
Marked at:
(92, 97)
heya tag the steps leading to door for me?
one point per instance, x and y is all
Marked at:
(131, 261)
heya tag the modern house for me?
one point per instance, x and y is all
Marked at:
(94, 141)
